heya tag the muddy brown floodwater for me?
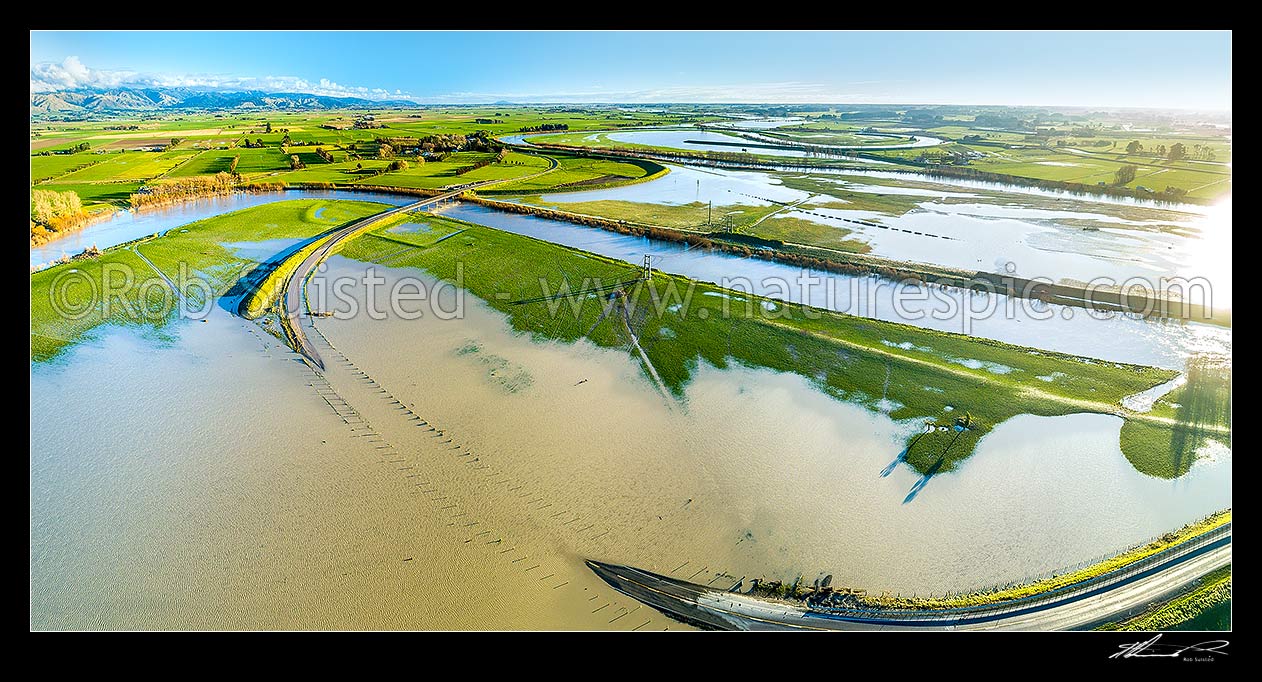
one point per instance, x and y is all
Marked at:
(754, 472)
(208, 481)
(204, 483)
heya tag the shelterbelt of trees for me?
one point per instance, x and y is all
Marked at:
(480, 141)
(184, 188)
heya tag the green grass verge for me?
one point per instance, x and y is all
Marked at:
(1031, 589)
(265, 293)
(1206, 607)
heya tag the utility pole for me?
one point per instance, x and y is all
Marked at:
(709, 213)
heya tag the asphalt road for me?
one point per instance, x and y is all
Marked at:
(296, 313)
(1112, 596)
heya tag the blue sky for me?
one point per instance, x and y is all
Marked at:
(1188, 70)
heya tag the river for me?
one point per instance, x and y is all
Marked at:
(694, 139)
(1029, 323)
(988, 227)
(204, 504)
(124, 226)
(221, 489)
(203, 478)
(1018, 321)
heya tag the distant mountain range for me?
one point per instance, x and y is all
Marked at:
(161, 99)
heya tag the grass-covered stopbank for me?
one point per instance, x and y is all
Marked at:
(1207, 606)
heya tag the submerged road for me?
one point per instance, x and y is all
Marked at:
(1112, 596)
(295, 293)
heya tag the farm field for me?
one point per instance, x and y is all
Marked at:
(128, 166)
(1008, 153)
(46, 167)
(883, 359)
(922, 356)
(198, 248)
(435, 174)
(633, 330)
(1091, 168)
(252, 161)
(582, 173)
(95, 194)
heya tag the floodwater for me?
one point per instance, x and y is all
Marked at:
(688, 184)
(212, 486)
(124, 226)
(761, 123)
(791, 483)
(996, 231)
(915, 142)
(264, 250)
(992, 238)
(904, 176)
(1144, 400)
(201, 482)
(696, 140)
(1027, 323)
(410, 228)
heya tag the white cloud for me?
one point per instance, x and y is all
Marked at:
(73, 73)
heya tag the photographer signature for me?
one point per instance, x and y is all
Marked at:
(1152, 649)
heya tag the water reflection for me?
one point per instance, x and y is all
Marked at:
(124, 226)
(1068, 330)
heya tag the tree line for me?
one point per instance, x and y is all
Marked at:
(840, 263)
(183, 188)
(474, 166)
(544, 128)
(81, 147)
(1176, 152)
